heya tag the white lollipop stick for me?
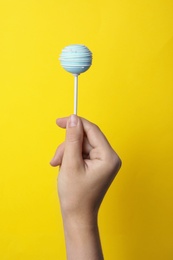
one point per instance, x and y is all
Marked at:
(75, 93)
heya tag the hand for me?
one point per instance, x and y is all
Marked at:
(88, 165)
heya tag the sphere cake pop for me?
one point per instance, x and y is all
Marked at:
(76, 59)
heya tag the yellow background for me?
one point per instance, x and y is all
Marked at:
(128, 92)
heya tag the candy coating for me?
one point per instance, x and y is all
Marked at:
(76, 58)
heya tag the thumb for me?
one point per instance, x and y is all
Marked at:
(73, 143)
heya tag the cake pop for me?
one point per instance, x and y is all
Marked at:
(76, 59)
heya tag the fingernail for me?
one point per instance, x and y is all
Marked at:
(73, 121)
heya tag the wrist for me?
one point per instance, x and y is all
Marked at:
(79, 219)
(82, 237)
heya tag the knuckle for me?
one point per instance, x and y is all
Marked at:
(96, 127)
(114, 162)
(73, 138)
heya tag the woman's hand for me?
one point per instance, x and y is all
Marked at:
(88, 165)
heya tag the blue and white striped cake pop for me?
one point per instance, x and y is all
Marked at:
(76, 59)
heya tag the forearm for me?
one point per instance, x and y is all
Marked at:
(82, 239)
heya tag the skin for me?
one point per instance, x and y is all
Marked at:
(88, 165)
